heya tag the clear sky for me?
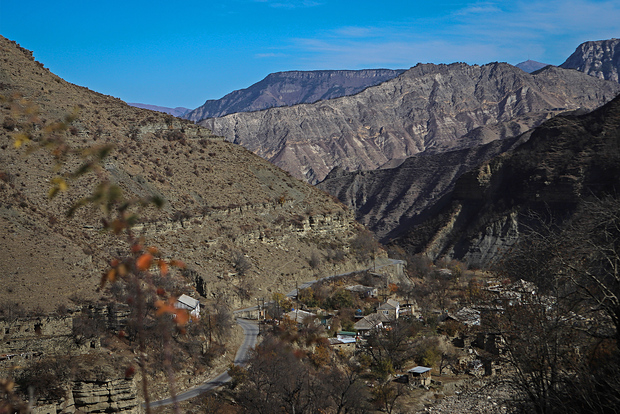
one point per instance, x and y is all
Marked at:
(182, 53)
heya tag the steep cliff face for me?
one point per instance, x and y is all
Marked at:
(598, 58)
(291, 88)
(566, 160)
(429, 107)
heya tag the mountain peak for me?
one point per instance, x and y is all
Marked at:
(530, 66)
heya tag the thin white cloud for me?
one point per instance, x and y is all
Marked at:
(290, 4)
(479, 33)
(269, 55)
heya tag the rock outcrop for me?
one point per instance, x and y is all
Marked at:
(291, 88)
(600, 59)
(429, 107)
(106, 396)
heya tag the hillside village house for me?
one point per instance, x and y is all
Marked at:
(301, 316)
(189, 303)
(390, 309)
(419, 376)
(369, 322)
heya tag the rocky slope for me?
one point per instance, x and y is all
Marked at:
(291, 88)
(598, 58)
(564, 161)
(390, 200)
(429, 107)
(222, 201)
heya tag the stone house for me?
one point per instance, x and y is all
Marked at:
(419, 376)
(301, 316)
(369, 322)
(391, 308)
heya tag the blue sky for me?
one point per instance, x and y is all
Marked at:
(181, 54)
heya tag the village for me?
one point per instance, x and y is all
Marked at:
(423, 338)
(435, 334)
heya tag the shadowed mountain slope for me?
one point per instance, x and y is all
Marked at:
(429, 107)
(565, 161)
(390, 200)
(291, 88)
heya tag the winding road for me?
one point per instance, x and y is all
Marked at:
(250, 331)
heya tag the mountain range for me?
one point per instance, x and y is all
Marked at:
(393, 201)
(179, 111)
(427, 108)
(560, 164)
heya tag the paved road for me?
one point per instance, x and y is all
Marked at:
(250, 330)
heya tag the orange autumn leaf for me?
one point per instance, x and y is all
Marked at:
(177, 263)
(163, 267)
(144, 262)
(136, 248)
(153, 250)
(165, 307)
(111, 276)
(122, 270)
(182, 317)
(114, 262)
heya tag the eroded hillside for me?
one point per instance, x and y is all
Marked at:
(224, 205)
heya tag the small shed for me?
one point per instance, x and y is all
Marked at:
(189, 303)
(342, 344)
(420, 376)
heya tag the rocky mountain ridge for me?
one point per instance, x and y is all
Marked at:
(292, 88)
(599, 58)
(429, 107)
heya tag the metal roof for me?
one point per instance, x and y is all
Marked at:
(419, 370)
